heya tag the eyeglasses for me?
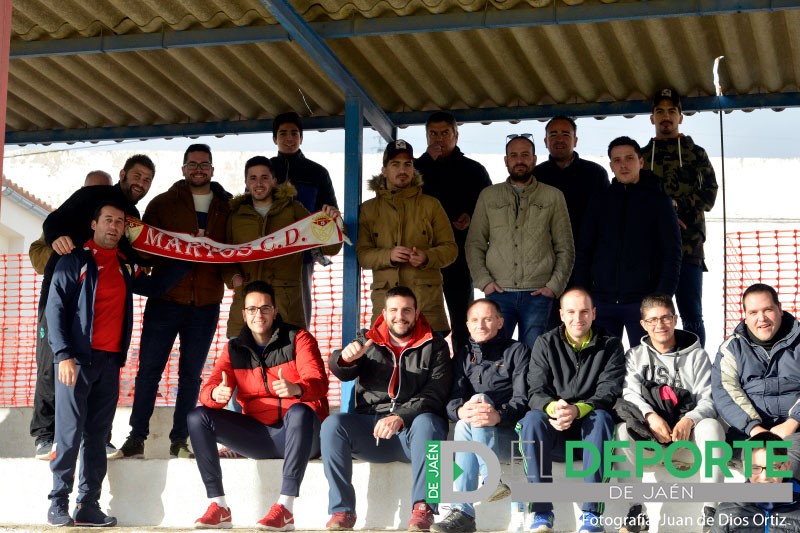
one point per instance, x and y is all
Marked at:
(195, 166)
(264, 309)
(513, 136)
(666, 319)
(756, 470)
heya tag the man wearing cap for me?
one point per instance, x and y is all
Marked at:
(456, 181)
(688, 178)
(519, 246)
(313, 184)
(405, 237)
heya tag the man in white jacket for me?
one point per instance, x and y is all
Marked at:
(673, 358)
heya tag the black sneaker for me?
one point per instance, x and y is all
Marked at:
(58, 514)
(132, 449)
(180, 449)
(456, 521)
(636, 520)
(44, 450)
(709, 514)
(90, 515)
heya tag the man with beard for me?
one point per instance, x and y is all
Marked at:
(405, 237)
(404, 376)
(688, 178)
(67, 225)
(197, 206)
(519, 246)
(629, 245)
(456, 181)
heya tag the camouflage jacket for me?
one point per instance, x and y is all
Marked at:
(688, 178)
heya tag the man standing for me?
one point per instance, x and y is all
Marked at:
(313, 184)
(688, 178)
(67, 225)
(519, 246)
(574, 378)
(578, 179)
(404, 376)
(265, 208)
(456, 181)
(282, 386)
(672, 360)
(404, 236)
(90, 311)
(190, 310)
(755, 380)
(490, 395)
(629, 245)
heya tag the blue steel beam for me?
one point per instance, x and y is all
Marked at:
(641, 107)
(360, 27)
(320, 52)
(351, 281)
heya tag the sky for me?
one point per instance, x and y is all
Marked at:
(760, 133)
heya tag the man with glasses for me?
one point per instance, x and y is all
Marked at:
(775, 517)
(190, 310)
(668, 363)
(519, 246)
(629, 244)
(755, 379)
(456, 181)
(282, 385)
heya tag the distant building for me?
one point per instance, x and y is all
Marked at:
(21, 218)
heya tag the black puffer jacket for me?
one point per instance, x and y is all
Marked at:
(497, 368)
(424, 374)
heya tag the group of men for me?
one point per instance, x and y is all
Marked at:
(524, 243)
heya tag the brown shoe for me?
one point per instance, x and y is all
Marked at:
(341, 522)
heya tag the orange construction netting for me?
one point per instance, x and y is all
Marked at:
(20, 296)
(769, 257)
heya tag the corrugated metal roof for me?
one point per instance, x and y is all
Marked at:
(503, 67)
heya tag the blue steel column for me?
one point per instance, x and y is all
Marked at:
(351, 283)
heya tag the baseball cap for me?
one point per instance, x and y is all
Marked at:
(397, 147)
(667, 94)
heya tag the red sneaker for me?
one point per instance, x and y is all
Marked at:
(421, 517)
(216, 517)
(277, 519)
(341, 522)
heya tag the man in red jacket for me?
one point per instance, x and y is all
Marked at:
(282, 389)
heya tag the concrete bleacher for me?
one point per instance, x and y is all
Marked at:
(159, 492)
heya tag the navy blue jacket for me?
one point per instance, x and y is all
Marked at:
(497, 368)
(751, 387)
(70, 305)
(630, 243)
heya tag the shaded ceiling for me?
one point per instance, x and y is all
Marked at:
(100, 69)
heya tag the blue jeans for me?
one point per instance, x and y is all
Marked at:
(614, 317)
(530, 312)
(345, 436)
(689, 298)
(538, 439)
(162, 322)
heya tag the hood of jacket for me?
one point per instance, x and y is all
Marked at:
(681, 143)
(379, 333)
(282, 194)
(685, 343)
(377, 184)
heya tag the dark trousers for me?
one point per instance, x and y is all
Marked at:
(689, 298)
(541, 443)
(458, 294)
(43, 420)
(162, 322)
(295, 440)
(614, 317)
(84, 411)
(346, 436)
